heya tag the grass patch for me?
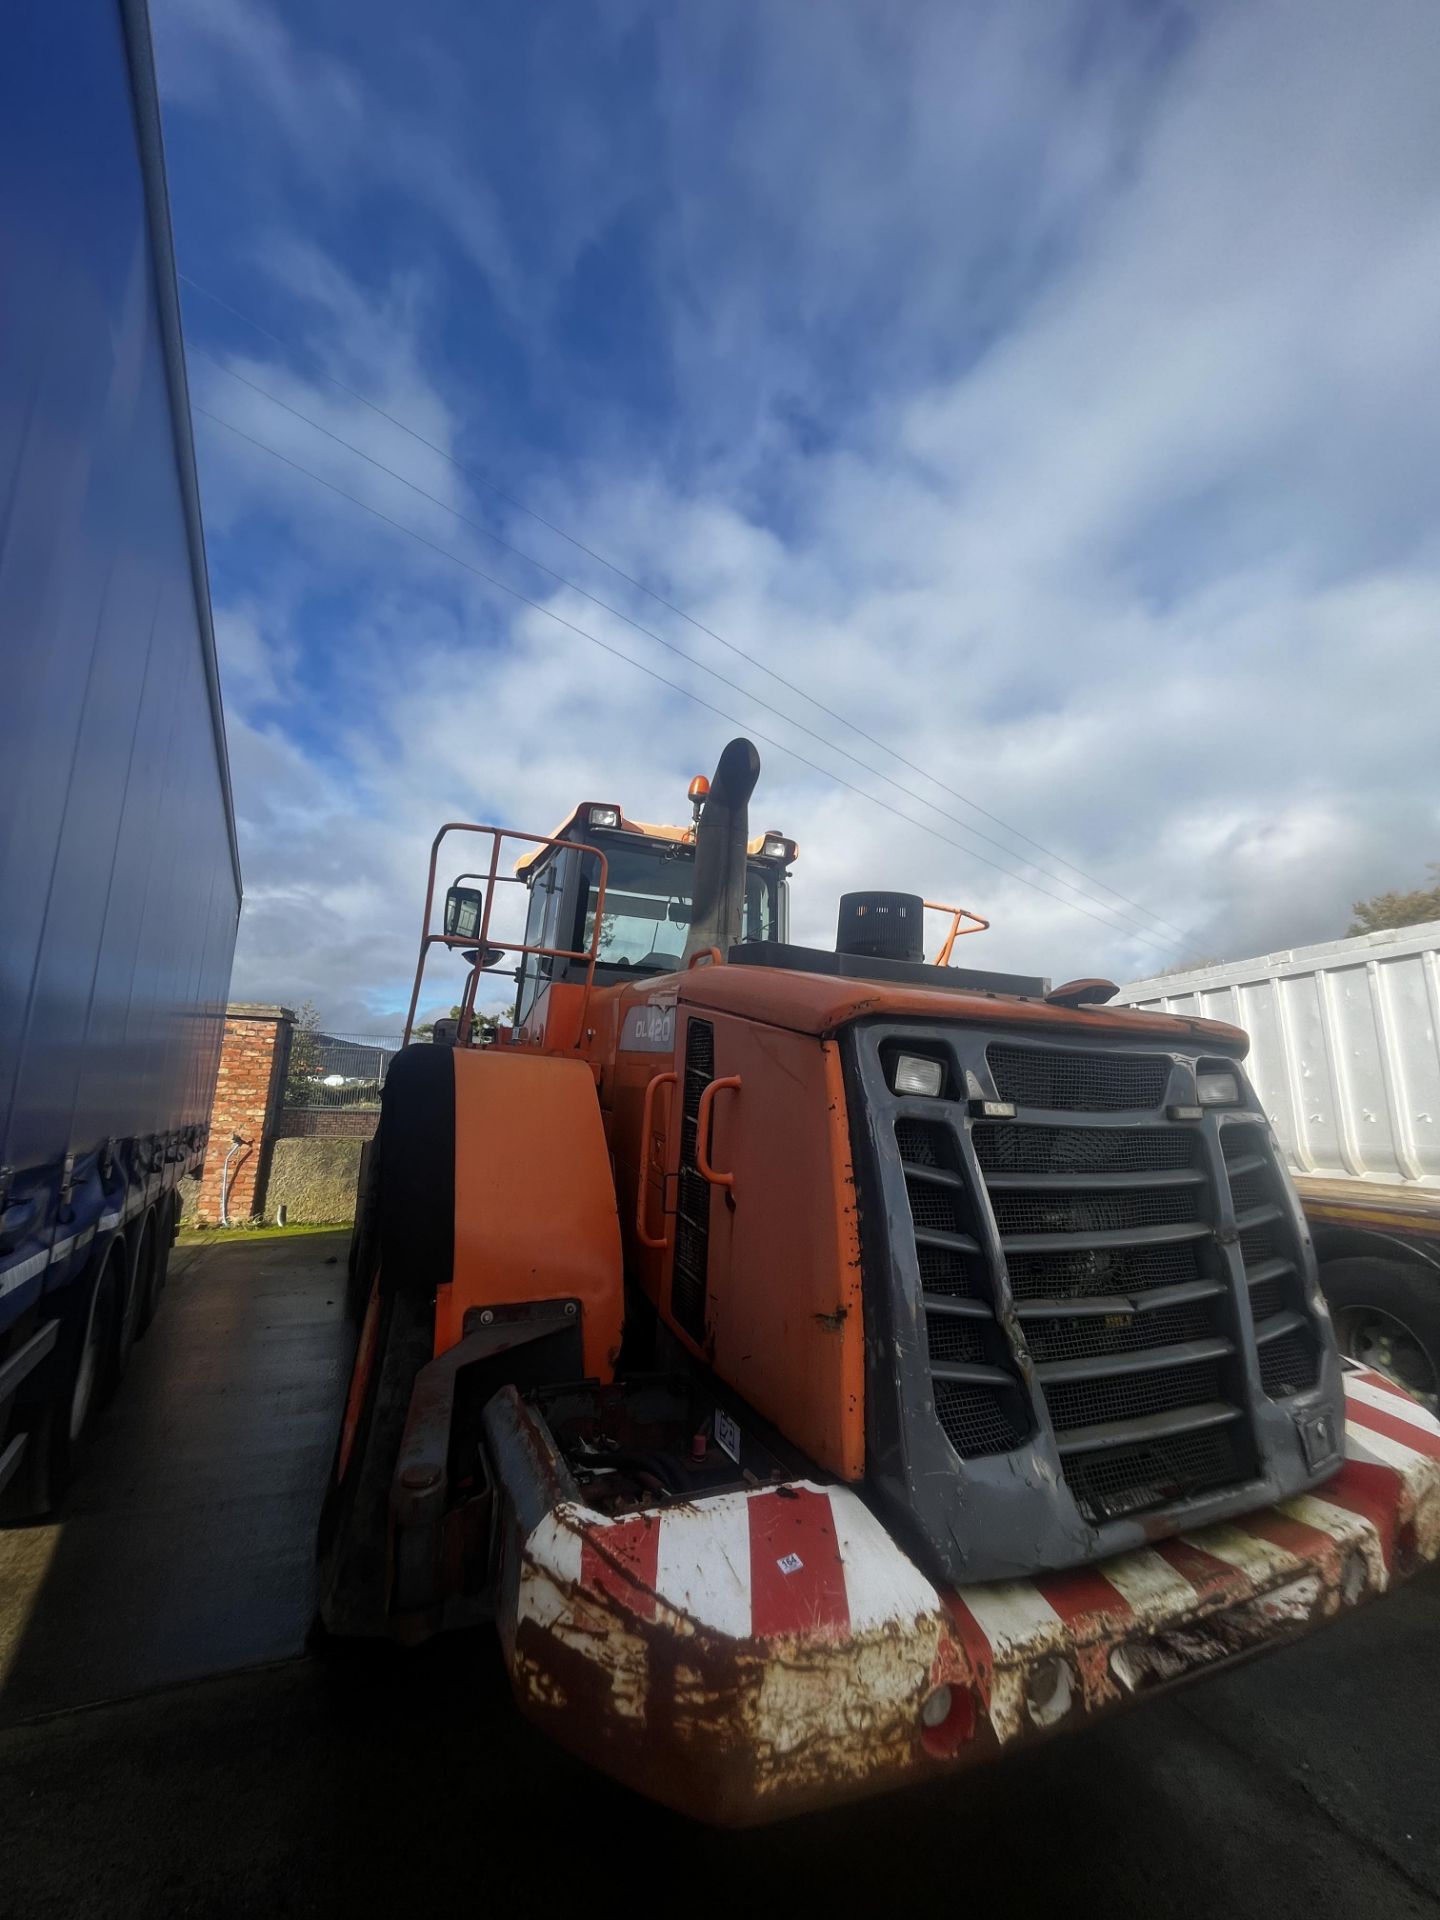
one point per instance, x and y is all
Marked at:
(216, 1236)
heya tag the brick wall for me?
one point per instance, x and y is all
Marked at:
(247, 1102)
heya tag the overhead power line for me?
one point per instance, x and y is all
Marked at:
(1122, 918)
(484, 480)
(675, 686)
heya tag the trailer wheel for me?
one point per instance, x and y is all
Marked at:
(64, 1421)
(165, 1226)
(1387, 1315)
(138, 1298)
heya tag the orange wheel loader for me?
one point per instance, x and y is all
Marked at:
(824, 1368)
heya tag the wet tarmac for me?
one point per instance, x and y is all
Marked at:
(1305, 1785)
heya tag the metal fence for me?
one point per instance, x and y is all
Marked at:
(331, 1070)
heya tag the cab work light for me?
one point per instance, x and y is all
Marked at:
(604, 816)
(1217, 1089)
(916, 1075)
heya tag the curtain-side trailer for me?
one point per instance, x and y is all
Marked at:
(119, 874)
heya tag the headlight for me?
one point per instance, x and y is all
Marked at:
(1217, 1089)
(604, 816)
(916, 1075)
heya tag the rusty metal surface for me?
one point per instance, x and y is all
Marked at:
(665, 1648)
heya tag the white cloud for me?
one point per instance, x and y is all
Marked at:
(1136, 546)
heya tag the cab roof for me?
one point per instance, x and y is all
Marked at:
(642, 829)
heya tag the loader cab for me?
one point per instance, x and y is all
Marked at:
(648, 901)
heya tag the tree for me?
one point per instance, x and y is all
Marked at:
(505, 1017)
(1398, 909)
(302, 1065)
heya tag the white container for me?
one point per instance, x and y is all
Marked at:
(1344, 1048)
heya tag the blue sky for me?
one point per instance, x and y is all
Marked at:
(1048, 390)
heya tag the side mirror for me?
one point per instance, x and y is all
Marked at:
(463, 907)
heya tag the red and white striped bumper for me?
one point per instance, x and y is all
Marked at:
(750, 1655)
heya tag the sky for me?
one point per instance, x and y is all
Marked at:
(1019, 418)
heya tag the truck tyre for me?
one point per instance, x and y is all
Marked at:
(1387, 1315)
(65, 1420)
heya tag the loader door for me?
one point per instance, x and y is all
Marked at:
(765, 1268)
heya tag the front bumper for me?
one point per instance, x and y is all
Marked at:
(751, 1655)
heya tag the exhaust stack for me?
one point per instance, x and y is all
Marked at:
(720, 842)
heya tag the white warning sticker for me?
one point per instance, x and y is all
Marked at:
(727, 1434)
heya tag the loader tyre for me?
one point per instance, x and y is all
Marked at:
(353, 1543)
(365, 1235)
(1387, 1315)
(415, 1180)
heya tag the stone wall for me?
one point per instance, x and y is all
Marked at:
(314, 1179)
(248, 1086)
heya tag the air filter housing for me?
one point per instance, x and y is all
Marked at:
(882, 926)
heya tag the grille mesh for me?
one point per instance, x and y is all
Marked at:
(1260, 1243)
(976, 1420)
(1123, 1480)
(1078, 1082)
(1289, 1365)
(1017, 1149)
(937, 1208)
(1073, 1276)
(1251, 1190)
(1115, 1333)
(1266, 1299)
(1238, 1143)
(959, 1275)
(954, 1339)
(924, 1145)
(1107, 1212)
(1130, 1396)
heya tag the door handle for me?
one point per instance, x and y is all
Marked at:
(702, 1131)
(647, 1110)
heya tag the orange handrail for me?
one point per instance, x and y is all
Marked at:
(642, 1232)
(957, 932)
(482, 940)
(702, 1130)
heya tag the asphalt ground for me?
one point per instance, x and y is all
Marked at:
(167, 1746)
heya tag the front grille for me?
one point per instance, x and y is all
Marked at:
(1143, 1199)
(1289, 1364)
(1057, 1078)
(1289, 1359)
(1117, 1212)
(953, 1339)
(1072, 1290)
(1021, 1149)
(1133, 1396)
(935, 1208)
(958, 1275)
(977, 1420)
(1102, 1270)
(982, 1415)
(1155, 1473)
(1094, 1336)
